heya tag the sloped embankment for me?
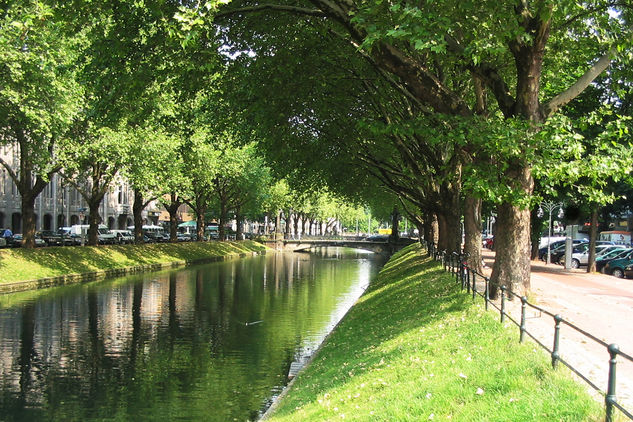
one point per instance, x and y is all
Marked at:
(22, 269)
(416, 348)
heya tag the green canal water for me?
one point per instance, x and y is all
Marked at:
(206, 343)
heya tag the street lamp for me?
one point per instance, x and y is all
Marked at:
(549, 207)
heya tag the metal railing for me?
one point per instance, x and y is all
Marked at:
(456, 264)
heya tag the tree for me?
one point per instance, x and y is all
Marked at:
(421, 44)
(39, 97)
(91, 165)
(239, 182)
(201, 166)
(152, 166)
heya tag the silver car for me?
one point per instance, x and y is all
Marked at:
(582, 258)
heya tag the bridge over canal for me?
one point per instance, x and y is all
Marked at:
(377, 246)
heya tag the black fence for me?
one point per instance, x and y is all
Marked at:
(478, 284)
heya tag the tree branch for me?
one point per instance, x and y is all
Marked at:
(583, 82)
(489, 76)
(9, 170)
(274, 7)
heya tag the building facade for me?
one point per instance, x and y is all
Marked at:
(60, 204)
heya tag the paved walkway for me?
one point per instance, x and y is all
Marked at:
(601, 305)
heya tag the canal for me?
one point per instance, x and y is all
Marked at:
(212, 342)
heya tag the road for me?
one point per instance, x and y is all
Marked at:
(601, 305)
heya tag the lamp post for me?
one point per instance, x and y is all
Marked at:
(549, 207)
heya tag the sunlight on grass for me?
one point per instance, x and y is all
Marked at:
(30, 264)
(415, 348)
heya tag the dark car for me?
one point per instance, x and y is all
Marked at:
(542, 252)
(616, 267)
(603, 260)
(51, 238)
(18, 240)
(68, 238)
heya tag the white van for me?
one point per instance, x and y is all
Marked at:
(103, 233)
(154, 233)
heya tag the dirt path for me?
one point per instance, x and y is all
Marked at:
(601, 305)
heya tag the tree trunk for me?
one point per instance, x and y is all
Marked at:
(200, 223)
(395, 221)
(93, 220)
(240, 224)
(435, 230)
(472, 232)
(295, 223)
(137, 211)
(287, 219)
(536, 224)
(593, 235)
(173, 224)
(28, 221)
(222, 223)
(278, 224)
(449, 232)
(512, 243)
(427, 228)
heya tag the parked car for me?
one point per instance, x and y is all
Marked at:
(579, 259)
(609, 256)
(542, 252)
(183, 237)
(616, 267)
(559, 256)
(555, 253)
(162, 237)
(69, 238)
(51, 238)
(106, 237)
(123, 236)
(18, 239)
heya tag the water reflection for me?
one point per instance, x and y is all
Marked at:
(212, 342)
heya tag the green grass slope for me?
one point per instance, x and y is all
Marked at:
(30, 264)
(416, 348)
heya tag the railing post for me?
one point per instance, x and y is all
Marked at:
(503, 303)
(555, 354)
(610, 397)
(522, 328)
(486, 295)
(474, 290)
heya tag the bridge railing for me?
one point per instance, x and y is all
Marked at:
(478, 284)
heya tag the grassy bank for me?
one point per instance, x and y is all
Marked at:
(30, 264)
(416, 348)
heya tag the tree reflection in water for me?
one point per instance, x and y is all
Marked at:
(211, 342)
